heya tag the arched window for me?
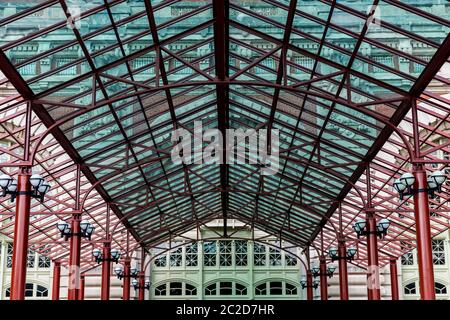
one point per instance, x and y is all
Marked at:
(41, 291)
(190, 290)
(275, 288)
(211, 290)
(32, 290)
(261, 290)
(160, 290)
(241, 290)
(410, 288)
(291, 289)
(440, 288)
(175, 289)
(226, 288)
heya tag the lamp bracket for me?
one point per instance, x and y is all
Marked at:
(33, 193)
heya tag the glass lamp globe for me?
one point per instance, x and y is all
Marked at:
(84, 224)
(399, 185)
(135, 283)
(351, 251)
(118, 270)
(303, 280)
(439, 177)
(331, 268)
(333, 252)
(13, 186)
(96, 252)
(408, 179)
(115, 253)
(62, 225)
(431, 183)
(315, 270)
(379, 228)
(90, 229)
(359, 225)
(36, 180)
(44, 187)
(5, 181)
(133, 271)
(384, 223)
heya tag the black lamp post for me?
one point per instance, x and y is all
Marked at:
(9, 187)
(361, 229)
(330, 271)
(87, 229)
(120, 273)
(135, 284)
(304, 283)
(115, 255)
(333, 253)
(404, 185)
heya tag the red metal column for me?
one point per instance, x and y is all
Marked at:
(141, 285)
(82, 284)
(21, 228)
(56, 280)
(369, 291)
(126, 279)
(373, 271)
(423, 235)
(343, 277)
(323, 279)
(309, 288)
(422, 217)
(74, 259)
(106, 270)
(394, 279)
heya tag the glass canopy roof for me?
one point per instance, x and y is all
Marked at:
(116, 77)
